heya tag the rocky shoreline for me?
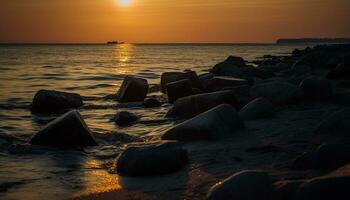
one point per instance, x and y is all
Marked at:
(272, 129)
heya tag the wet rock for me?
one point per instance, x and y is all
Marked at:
(152, 103)
(133, 89)
(326, 156)
(65, 131)
(260, 72)
(50, 101)
(191, 106)
(328, 187)
(341, 72)
(153, 159)
(245, 185)
(336, 125)
(169, 77)
(219, 82)
(286, 190)
(125, 118)
(277, 92)
(213, 124)
(179, 89)
(257, 109)
(316, 90)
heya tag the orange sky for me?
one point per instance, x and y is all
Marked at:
(71, 21)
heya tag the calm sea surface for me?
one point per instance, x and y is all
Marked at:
(94, 71)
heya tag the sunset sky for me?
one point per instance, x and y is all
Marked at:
(153, 21)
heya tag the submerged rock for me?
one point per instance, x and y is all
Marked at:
(277, 92)
(125, 118)
(316, 90)
(133, 89)
(213, 124)
(326, 156)
(179, 89)
(152, 103)
(336, 125)
(153, 159)
(245, 185)
(50, 101)
(257, 109)
(191, 106)
(67, 130)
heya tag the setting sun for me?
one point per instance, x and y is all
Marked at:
(124, 2)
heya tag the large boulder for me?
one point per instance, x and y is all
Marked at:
(50, 101)
(179, 89)
(341, 72)
(245, 185)
(230, 67)
(153, 159)
(220, 82)
(125, 118)
(327, 187)
(316, 90)
(191, 106)
(68, 130)
(326, 156)
(133, 89)
(213, 124)
(169, 77)
(257, 109)
(335, 125)
(277, 92)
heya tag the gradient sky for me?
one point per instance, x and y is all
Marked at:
(71, 21)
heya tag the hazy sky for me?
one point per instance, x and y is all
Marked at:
(171, 20)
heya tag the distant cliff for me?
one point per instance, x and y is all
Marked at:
(312, 40)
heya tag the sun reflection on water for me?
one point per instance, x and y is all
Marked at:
(124, 54)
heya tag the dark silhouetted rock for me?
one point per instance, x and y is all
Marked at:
(133, 89)
(257, 109)
(191, 106)
(230, 67)
(169, 77)
(153, 159)
(219, 82)
(341, 72)
(179, 89)
(152, 103)
(50, 101)
(327, 187)
(67, 130)
(326, 156)
(277, 92)
(316, 90)
(335, 125)
(245, 185)
(125, 118)
(243, 90)
(260, 72)
(213, 124)
(286, 190)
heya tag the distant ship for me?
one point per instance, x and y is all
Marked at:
(114, 42)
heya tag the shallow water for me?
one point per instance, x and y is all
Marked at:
(94, 71)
